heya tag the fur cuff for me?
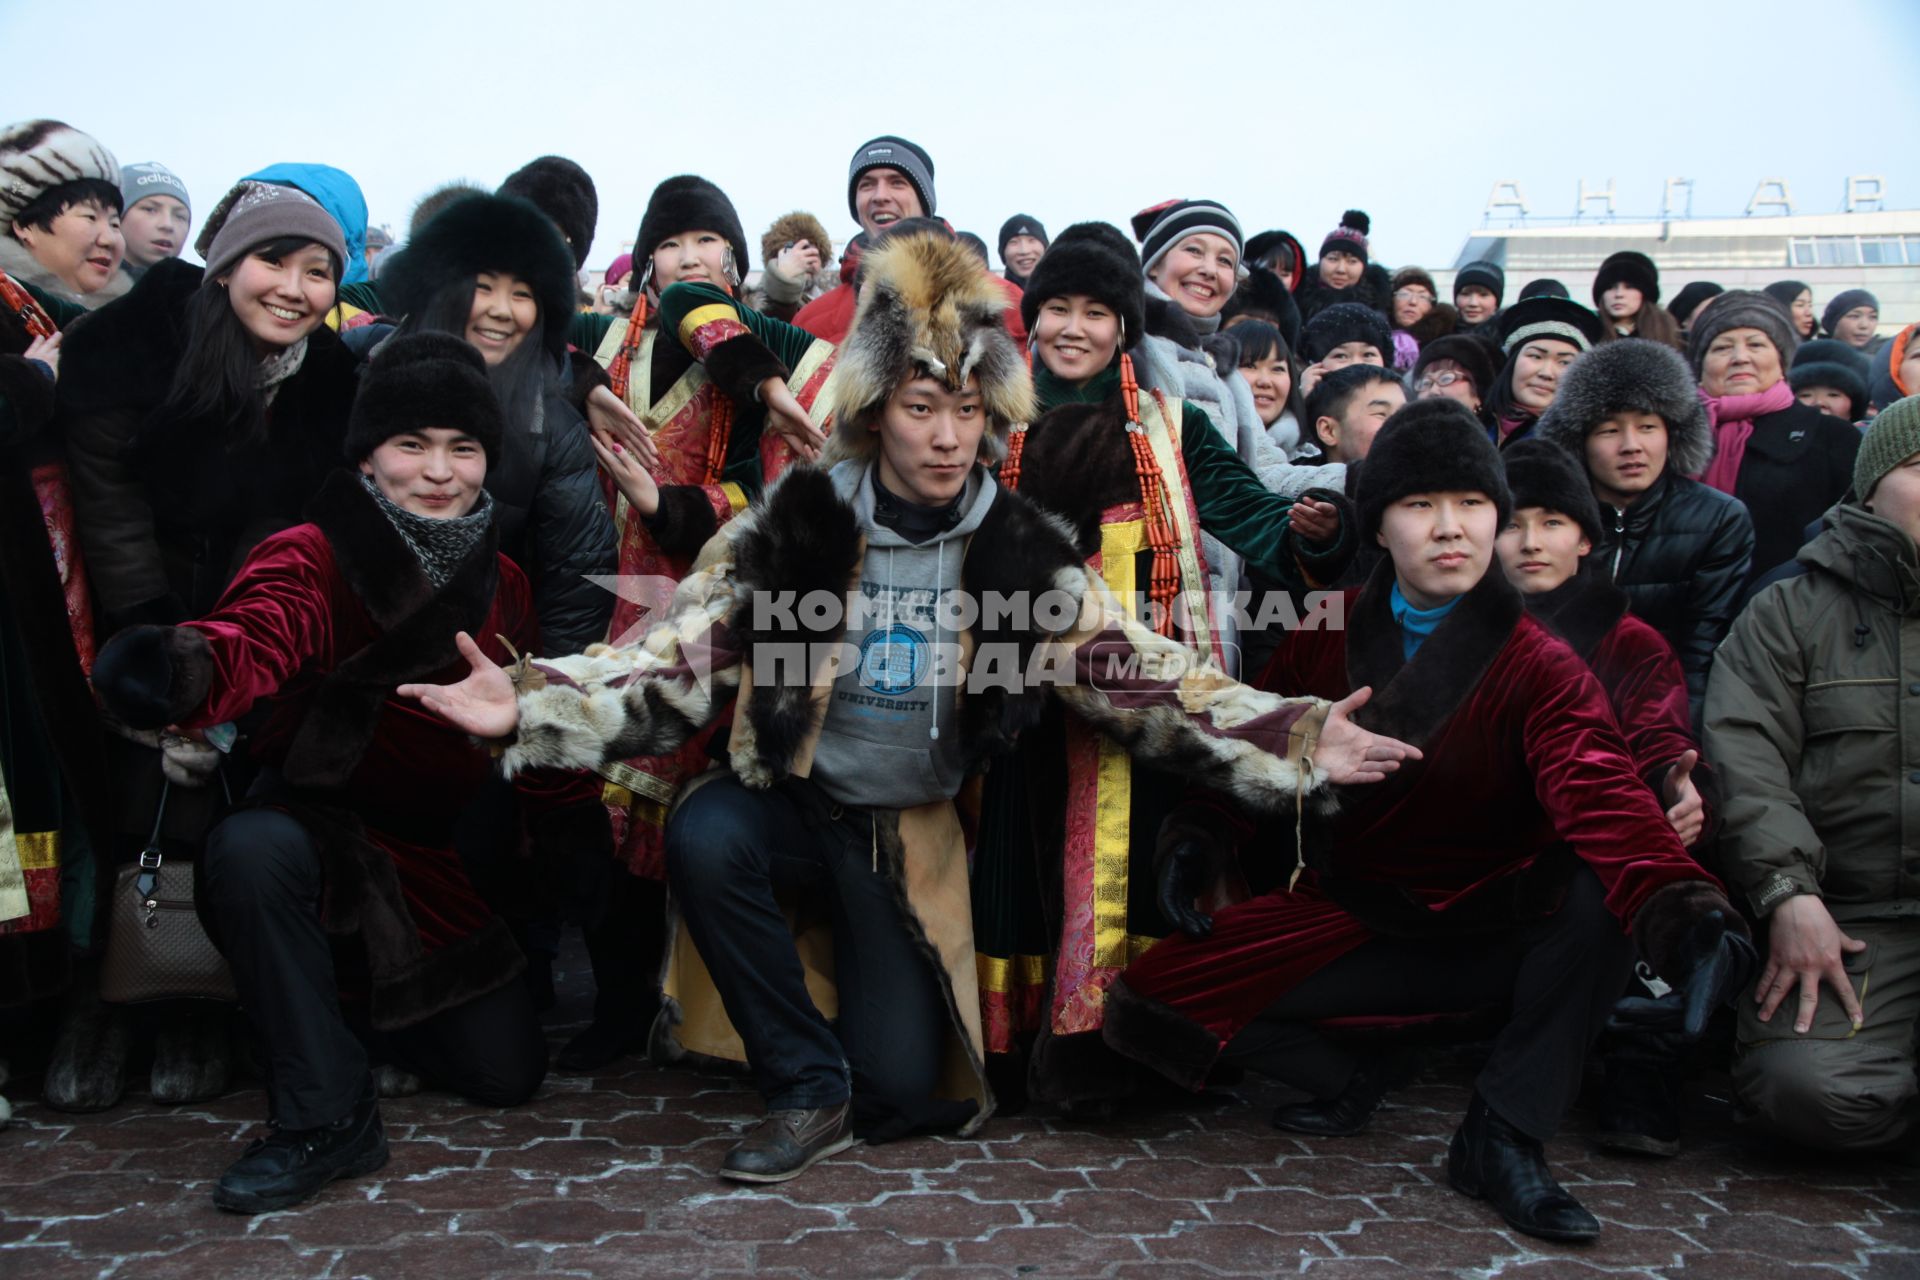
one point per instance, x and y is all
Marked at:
(584, 374)
(1665, 920)
(684, 520)
(152, 677)
(740, 364)
(1154, 1035)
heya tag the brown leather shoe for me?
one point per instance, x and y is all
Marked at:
(787, 1143)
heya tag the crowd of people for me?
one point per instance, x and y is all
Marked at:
(939, 690)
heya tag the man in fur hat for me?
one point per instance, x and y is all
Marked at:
(348, 832)
(1516, 866)
(882, 626)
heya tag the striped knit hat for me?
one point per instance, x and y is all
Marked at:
(1161, 226)
(38, 155)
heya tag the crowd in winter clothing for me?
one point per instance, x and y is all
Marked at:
(942, 691)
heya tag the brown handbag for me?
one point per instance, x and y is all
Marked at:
(156, 946)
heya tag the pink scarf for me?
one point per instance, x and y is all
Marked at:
(1730, 418)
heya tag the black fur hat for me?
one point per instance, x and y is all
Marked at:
(487, 233)
(1544, 287)
(420, 380)
(1341, 323)
(1471, 353)
(1631, 375)
(1431, 446)
(1691, 295)
(690, 203)
(562, 190)
(1540, 474)
(1097, 260)
(1828, 362)
(1628, 267)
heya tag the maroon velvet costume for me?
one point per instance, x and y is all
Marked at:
(322, 622)
(1524, 772)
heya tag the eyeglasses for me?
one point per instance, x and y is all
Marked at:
(1446, 379)
(1408, 295)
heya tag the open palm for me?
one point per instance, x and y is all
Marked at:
(483, 704)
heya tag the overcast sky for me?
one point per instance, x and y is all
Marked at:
(1287, 112)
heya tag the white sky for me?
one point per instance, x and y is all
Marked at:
(1287, 112)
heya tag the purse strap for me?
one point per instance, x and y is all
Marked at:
(150, 859)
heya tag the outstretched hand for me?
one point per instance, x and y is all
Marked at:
(1315, 523)
(786, 419)
(610, 416)
(1351, 754)
(483, 704)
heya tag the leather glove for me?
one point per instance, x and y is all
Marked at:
(1699, 944)
(1186, 869)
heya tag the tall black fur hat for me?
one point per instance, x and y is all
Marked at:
(487, 233)
(690, 203)
(1631, 375)
(1431, 446)
(1341, 323)
(421, 380)
(564, 192)
(1540, 474)
(1094, 259)
(1629, 267)
(1828, 362)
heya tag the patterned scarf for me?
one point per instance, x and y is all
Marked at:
(438, 544)
(276, 369)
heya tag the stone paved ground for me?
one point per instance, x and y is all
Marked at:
(613, 1177)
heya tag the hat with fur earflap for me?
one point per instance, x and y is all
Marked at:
(1631, 375)
(1341, 323)
(791, 228)
(487, 233)
(1093, 260)
(564, 192)
(1431, 446)
(689, 203)
(421, 380)
(1544, 475)
(927, 307)
(38, 155)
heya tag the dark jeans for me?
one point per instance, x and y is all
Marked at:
(1558, 978)
(260, 884)
(729, 850)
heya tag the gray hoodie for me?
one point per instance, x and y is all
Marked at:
(891, 739)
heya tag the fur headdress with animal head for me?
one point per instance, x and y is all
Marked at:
(926, 306)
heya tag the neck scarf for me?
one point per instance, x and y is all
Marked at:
(438, 544)
(1202, 324)
(277, 368)
(1730, 418)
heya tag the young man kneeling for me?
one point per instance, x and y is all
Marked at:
(1517, 866)
(843, 773)
(348, 830)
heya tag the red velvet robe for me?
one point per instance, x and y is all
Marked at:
(289, 619)
(1524, 770)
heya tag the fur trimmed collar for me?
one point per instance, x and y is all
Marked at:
(805, 538)
(1413, 699)
(1582, 610)
(417, 627)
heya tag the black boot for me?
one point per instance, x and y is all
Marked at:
(1640, 1108)
(1493, 1161)
(625, 946)
(288, 1166)
(1349, 1111)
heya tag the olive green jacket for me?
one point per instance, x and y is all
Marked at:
(1813, 722)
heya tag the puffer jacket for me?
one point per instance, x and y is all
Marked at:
(1813, 721)
(1682, 554)
(554, 524)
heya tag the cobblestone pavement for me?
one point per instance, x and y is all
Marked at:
(613, 1177)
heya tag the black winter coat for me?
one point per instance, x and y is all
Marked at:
(1798, 463)
(167, 509)
(554, 524)
(1682, 554)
